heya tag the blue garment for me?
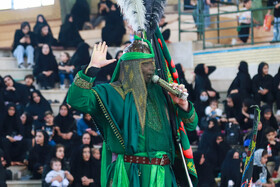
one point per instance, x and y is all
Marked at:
(20, 51)
(276, 29)
(81, 127)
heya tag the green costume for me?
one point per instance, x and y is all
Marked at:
(134, 120)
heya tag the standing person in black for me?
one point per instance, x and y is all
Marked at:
(39, 155)
(80, 57)
(103, 9)
(46, 68)
(69, 35)
(263, 85)
(15, 93)
(24, 43)
(276, 88)
(202, 81)
(40, 21)
(242, 84)
(80, 12)
(83, 169)
(114, 28)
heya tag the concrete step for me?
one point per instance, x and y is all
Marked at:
(17, 74)
(27, 183)
(54, 94)
(55, 108)
(8, 62)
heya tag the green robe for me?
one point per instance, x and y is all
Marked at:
(116, 116)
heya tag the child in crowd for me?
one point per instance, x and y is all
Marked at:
(28, 81)
(273, 147)
(49, 127)
(213, 111)
(65, 69)
(261, 176)
(56, 173)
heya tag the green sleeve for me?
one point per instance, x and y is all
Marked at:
(189, 119)
(80, 96)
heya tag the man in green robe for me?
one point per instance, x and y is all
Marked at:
(132, 115)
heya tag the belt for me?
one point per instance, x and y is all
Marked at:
(145, 160)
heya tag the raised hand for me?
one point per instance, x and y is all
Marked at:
(98, 57)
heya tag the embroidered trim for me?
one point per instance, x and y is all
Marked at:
(189, 120)
(78, 81)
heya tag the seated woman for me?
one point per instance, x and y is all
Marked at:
(37, 107)
(276, 88)
(39, 22)
(80, 12)
(27, 130)
(261, 175)
(84, 169)
(45, 37)
(242, 84)
(58, 152)
(24, 43)
(46, 68)
(80, 57)
(232, 109)
(11, 136)
(202, 81)
(66, 129)
(69, 35)
(15, 93)
(39, 155)
(263, 85)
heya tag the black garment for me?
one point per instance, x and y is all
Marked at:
(244, 32)
(114, 28)
(2, 105)
(231, 170)
(202, 81)
(4, 173)
(276, 10)
(48, 39)
(94, 139)
(268, 123)
(69, 35)
(26, 132)
(183, 80)
(39, 156)
(261, 81)
(81, 168)
(235, 111)
(19, 35)
(80, 12)
(46, 63)
(38, 25)
(30, 89)
(81, 57)
(257, 170)
(205, 171)
(38, 109)
(62, 64)
(102, 75)
(276, 88)
(242, 82)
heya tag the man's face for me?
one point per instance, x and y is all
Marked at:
(148, 70)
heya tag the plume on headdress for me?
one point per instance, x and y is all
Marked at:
(134, 11)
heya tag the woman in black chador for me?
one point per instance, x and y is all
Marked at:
(40, 21)
(114, 28)
(80, 57)
(69, 35)
(276, 88)
(46, 68)
(263, 85)
(242, 84)
(80, 12)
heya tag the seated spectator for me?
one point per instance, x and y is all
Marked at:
(261, 175)
(86, 124)
(103, 9)
(212, 111)
(80, 57)
(15, 93)
(277, 116)
(231, 171)
(263, 85)
(204, 170)
(24, 43)
(28, 81)
(69, 35)
(242, 83)
(182, 80)
(5, 174)
(40, 21)
(11, 136)
(80, 13)
(272, 145)
(57, 153)
(39, 155)
(66, 129)
(83, 169)
(114, 28)
(27, 130)
(65, 69)
(49, 127)
(46, 69)
(202, 81)
(276, 88)
(54, 176)
(268, 119)
(45, 37)
(247, 115)
(96, 157)
(232, 109)
(200, 105)
(2, 102)
(37, 107)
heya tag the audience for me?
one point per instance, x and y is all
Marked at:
(103, 9)
(276, 88)
(267, 118)
(40, 21)
(29, 83)
(27, 130)
(5, 174)
(46, 68)
(65, 69)
(80, 57)
(45, 37)
(247, 115)
(80, 13)
(49, 127)
(24, 43)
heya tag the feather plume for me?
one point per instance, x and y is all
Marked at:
(134, 11)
